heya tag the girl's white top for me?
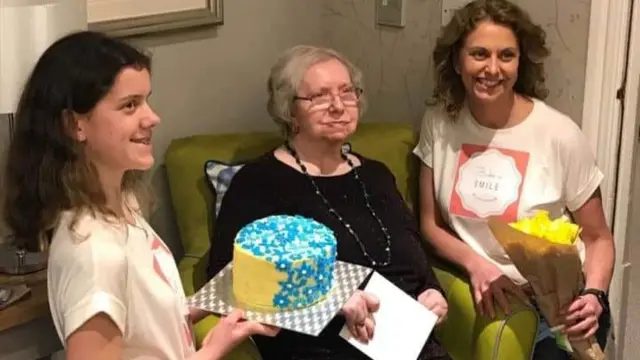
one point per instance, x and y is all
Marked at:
(125, 272)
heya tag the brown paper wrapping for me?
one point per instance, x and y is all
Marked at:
(554, 271)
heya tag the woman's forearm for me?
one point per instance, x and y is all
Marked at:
(450, 247)
(435, 230)
(599, 262)
(598, 241)
(207, 353)
(197, 314)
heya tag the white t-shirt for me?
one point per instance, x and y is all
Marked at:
(543, 163)
(125, 272)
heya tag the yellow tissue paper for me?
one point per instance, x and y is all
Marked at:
(559, 231)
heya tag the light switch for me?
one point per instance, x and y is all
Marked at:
(449, 7)
(390, 12)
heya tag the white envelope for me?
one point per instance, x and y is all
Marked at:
(402, 324)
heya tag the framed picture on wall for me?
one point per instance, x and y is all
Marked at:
(135, 17)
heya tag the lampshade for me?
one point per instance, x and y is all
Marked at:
(27, 29)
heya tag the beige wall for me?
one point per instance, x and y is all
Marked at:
(396, 61)
(632, 298)
(567, 26)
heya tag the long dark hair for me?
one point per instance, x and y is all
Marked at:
(46, 170)
(449, 90)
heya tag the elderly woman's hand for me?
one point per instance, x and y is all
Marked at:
(433, 300)
(358, 312)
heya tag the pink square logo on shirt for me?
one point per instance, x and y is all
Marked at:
(488, 182)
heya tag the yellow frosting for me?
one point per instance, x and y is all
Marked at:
(255, 280)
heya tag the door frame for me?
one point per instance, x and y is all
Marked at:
(612, 133)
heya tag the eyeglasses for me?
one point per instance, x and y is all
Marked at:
(348, 97)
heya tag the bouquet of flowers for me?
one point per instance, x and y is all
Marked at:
(544, 252)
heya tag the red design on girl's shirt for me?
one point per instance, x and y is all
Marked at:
(188, 335)
(156, 246)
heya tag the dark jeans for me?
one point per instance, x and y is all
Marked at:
(548, 350)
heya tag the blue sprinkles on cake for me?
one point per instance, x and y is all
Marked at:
(302, 250)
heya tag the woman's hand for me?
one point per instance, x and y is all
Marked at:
(358, 312)
(433, 300)
(581, 317)
(231, 331)
(489, 284)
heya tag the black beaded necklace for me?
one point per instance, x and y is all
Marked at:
(354, 169)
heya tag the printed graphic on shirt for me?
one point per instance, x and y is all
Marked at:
(488, 182)
(162, 255)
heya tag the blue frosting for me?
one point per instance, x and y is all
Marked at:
(301, 248)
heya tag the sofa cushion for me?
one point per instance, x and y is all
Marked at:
(193, 200)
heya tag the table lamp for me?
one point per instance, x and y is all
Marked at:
(27, 29)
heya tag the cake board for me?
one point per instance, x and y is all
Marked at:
(217, 297)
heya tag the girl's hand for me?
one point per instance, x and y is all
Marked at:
(231, 331)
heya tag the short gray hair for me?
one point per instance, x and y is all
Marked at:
(287, 74)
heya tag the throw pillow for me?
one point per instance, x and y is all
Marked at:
(220, 175)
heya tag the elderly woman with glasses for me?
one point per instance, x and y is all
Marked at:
(316, 97)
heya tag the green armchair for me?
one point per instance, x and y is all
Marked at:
(466, 335)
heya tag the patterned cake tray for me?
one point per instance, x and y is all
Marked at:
(217, 297)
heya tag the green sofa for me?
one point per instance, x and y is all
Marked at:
(466, 335)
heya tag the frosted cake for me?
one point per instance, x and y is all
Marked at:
(283, 262)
